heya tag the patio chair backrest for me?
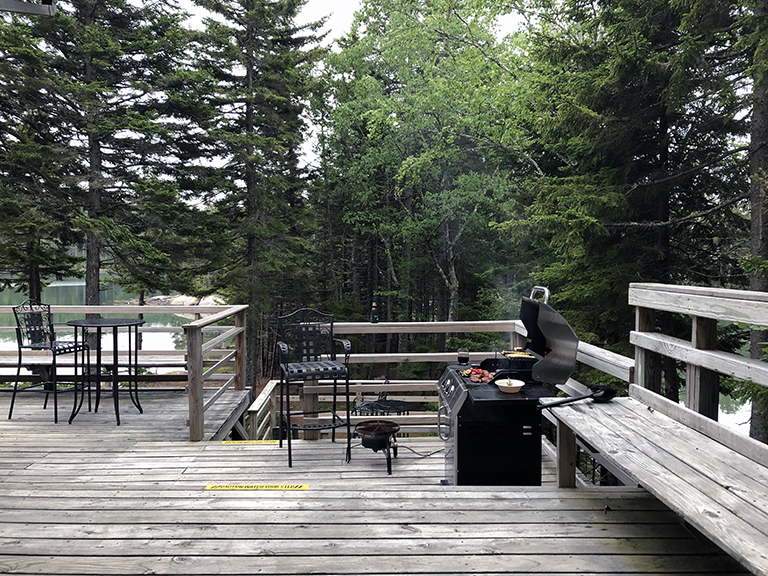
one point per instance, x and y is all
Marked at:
(308, 335)
(34, 325)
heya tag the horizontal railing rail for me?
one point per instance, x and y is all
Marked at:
(197, 376)
(263, 412)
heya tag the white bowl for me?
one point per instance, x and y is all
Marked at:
(510, 386)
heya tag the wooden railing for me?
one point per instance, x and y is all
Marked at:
(263, 416)
(706, 307)
(263, 413)
(219, 360)
(197, 349)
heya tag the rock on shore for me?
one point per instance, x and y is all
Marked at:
(181, 300)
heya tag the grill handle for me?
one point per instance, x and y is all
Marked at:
(543, 289)
(442, 409)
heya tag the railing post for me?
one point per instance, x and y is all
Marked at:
(702, 389)
(240, 352)
(309, 403)
(566, 456)
(273, 409)
(253, 423)
(195, 382)
(647, 363)
(516, 340)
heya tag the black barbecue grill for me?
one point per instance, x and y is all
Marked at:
(492, 437)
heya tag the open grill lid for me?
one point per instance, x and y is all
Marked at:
(549, 336)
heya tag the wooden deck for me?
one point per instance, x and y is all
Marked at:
(94, 498)
(165, 417)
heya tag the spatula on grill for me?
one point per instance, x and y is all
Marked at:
(597, 393)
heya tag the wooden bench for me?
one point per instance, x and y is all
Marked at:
(715, 479)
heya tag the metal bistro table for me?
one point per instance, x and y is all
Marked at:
(132, 324)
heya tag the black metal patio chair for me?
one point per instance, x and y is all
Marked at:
(35, 332)
(307, 351)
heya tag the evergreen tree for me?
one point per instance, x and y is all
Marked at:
(109, 63)
(255, 72)
(756, 43)
(637, 121)
(36, 231)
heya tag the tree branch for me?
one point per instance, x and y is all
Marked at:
(678, 221)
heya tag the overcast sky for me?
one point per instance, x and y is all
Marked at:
(340, 12)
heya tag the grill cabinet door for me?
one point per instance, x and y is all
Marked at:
(502, 448)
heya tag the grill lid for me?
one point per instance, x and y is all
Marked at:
(549, 336)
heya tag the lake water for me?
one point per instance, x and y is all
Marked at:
(735, 414)
(72, 293)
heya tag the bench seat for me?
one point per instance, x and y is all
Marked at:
(712, 486)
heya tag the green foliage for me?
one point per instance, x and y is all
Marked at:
(599, 145)
(636, 127)
(103, 135)
(416, 151)
(252, 76)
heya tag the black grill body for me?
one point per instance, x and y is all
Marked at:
(491, 438)
(494, 438)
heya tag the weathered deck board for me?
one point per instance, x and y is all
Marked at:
(94, 498)
(714, 488)
(165, 416)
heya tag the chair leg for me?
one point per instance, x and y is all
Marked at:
(349, 421)
(333, 408)
(78, 384)
(55, 392)
(87, 370)
(281, 421)
(288, 431)
(133, 377)
(75, 389)
(15, 389)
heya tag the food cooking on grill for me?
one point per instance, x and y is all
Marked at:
(517, 354)
(481, 375)
(477, 374)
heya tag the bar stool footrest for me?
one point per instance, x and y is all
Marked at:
(336, 422)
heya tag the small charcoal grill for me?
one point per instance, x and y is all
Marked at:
(494, 438)
(379, 435)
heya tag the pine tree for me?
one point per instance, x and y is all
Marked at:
(37, 229)
(255, 69)
(109, 63)
(637, 118)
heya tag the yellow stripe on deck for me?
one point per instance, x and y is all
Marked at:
(250, 441)
(257, 487)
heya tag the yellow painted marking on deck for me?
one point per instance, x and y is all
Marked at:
(257, 487)
(250, 441)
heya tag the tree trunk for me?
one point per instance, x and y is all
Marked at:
(95, 183)
(758, 169)
(252, 214)
(33, 274)
(93, 240)
(356, 287)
